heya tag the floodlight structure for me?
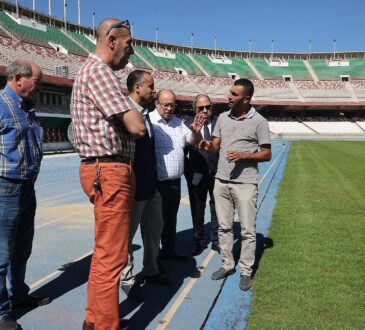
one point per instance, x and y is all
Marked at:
(215, 46)
(310, 49)
(94, 24)
(65, 13)
(249, 47)
(79, 12)
(157, 38)
(17, 8)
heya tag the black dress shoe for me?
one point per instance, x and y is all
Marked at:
(31, 301)
(135, 293)
(158, 279)
(198, 248)
(7, 323)
(174, 256)
(216, 247)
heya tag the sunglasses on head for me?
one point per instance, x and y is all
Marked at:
(202, 107)
(118, 25)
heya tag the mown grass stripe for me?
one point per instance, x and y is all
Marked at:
(313, 277)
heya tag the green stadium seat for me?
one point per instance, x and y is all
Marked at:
(356, 69)
(238, 66)
(34, 36)
(296, 69)
(168, 64)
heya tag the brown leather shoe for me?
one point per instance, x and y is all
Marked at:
(124, 325)
(87, 326)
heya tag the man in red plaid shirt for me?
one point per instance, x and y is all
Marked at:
(105, 124)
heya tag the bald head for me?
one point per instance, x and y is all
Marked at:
(165, 103)
(24, 78)
(114, 42)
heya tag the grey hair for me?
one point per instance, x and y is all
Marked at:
(164, 90)
(19, 66)
(196, 99)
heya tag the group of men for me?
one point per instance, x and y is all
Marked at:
(131, 165)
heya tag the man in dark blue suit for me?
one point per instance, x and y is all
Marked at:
(200, 169)
(147, 209)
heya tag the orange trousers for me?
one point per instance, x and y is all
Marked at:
(113, 203)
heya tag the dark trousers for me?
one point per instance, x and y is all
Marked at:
(198, 194)
(170, 191)
(17, 211)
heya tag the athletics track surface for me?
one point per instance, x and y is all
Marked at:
(62, 249)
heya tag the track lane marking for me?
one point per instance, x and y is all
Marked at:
(55, 273)
(179, 300)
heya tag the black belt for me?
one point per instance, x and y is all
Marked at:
(107, 159)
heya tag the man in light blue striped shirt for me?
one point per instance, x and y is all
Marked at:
(20, 160)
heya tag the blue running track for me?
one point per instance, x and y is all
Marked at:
(62, 249)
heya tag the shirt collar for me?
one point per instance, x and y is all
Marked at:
(248, 115)
(14, 96)
(160, 119)
(140, 109)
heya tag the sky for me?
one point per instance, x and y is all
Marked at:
(230, 24)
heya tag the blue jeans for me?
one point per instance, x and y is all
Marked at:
(17, 211)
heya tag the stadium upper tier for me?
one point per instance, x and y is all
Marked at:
(285, 78)
(38, 37)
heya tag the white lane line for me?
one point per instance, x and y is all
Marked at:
(179, 300)
(58, 196)
(42, 176)
(54, 220)
(55, 273)
(52, 183)
(268, 170)
(165, 321)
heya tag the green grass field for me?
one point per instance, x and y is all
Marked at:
(313, 276)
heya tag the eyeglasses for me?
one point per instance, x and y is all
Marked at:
(202, 107)
(118, 25)
(167, 105)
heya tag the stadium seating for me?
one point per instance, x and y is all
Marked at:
(138, 63)
(180, 84)
(290, 127)
(304, 94)
(296, 69)
(168, 64)
(323, 91)
(47, 58)
(238, 66)
(34, 36)
(274, 90)
(356, 69)
(85, 42)
(359, 89)
(335, 128)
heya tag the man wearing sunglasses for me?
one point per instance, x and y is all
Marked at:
(200, 169)
(171, 136)
(242, 138)
(105, 126)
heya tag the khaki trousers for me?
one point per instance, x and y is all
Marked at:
(148, 213)
(112, 211)
(241, 197)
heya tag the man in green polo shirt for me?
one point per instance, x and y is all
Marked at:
(242, 137)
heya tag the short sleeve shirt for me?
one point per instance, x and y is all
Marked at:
(242, 135)
(96, 97)
(170, 140)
